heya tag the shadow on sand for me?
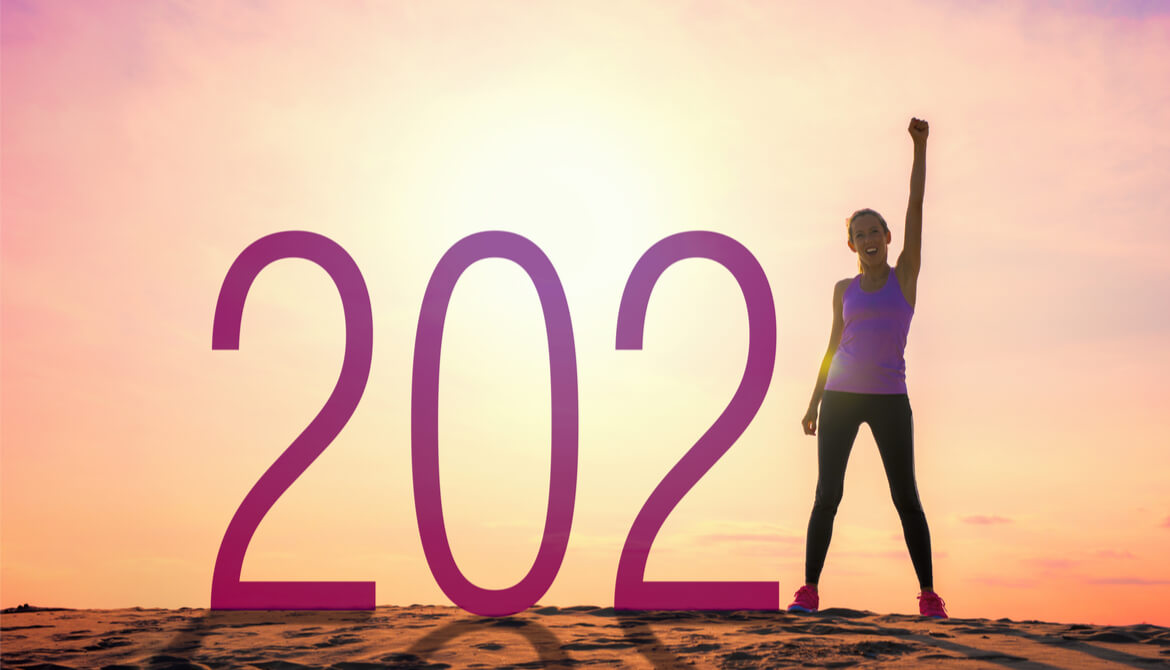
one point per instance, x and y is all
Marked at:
(835, 635)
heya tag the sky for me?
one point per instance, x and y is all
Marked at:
(143, 146)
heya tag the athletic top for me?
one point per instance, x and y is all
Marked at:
(869, 358)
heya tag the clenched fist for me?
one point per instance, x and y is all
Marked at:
(919, 129)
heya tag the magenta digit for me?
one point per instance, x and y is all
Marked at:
(631, 590)
(227, 591)
(424, 429)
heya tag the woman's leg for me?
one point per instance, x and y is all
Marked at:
(892, 423)
(839, 421)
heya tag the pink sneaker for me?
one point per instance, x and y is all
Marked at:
(806, 600)
(929, 604)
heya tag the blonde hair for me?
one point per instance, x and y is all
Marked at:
(849, 227)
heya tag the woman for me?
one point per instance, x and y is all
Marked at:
(863, 380)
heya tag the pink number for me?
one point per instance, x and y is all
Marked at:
(562, 358)
(227, 591)
(632, 591)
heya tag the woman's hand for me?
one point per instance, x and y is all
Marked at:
(919, 129)
(809, 422)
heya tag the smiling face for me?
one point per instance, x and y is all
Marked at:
(869, 239)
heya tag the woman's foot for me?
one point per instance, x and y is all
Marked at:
(929, 604)
(806, 600)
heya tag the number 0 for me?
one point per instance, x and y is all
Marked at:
(424, 429)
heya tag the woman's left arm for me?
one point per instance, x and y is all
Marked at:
(910, 260)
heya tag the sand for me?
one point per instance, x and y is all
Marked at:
(448, 637)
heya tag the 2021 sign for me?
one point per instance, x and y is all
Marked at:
(631, 590)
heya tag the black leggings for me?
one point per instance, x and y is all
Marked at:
(892, 423)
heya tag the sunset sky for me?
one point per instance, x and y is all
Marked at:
(144, 145)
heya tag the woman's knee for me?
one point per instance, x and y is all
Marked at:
(828, 498)
(907, 502)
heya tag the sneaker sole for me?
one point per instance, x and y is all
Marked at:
(798, 608)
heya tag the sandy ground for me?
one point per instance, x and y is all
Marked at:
(448, 637)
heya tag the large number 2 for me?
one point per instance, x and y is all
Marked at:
(424, 423)
(631, 590)
(227, 591)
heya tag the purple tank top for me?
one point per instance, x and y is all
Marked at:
(870, 357)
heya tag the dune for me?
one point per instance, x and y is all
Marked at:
(435, 637)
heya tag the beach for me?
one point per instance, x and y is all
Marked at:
(448, 637)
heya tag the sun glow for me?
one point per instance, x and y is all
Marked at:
(577, 181)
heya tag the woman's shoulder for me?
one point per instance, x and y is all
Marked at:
(843, 284)
(840, 288)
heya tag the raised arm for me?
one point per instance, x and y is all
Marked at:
(809, 422)
(910, 260)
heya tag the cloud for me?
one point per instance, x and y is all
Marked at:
(1166, 522)
(1051, 563)
(714, 538)
(611, 543)
(753, 543)
(1133, 9)
(1007, 582)
(770, 551)
(741, 532)
(980, 520)
(745, 538)
(1140, 581)
(896, 554)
